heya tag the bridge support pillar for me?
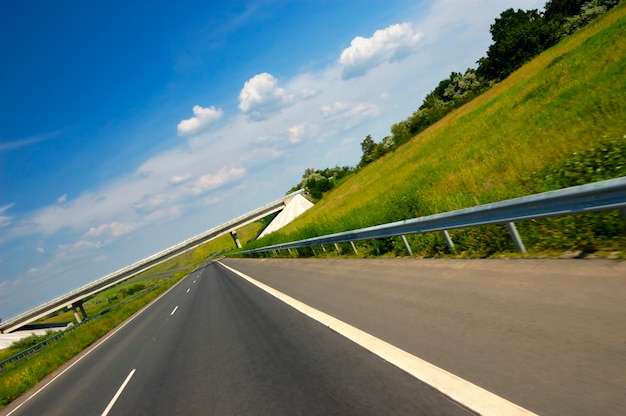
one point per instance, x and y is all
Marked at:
(233, 234)
(78, 306)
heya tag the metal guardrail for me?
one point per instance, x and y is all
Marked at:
(593, 197)
(55, 337)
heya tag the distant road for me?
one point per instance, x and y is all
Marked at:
(549, 335)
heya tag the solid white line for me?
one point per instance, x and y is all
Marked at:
(117, 395)
(461, 391)
(173, 311)
(105, 339)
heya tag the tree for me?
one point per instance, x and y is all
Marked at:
(368, 147)
(517, 37)
(559, 10)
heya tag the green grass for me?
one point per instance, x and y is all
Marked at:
(19, 377)
(569, 99)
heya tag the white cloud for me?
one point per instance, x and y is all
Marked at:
(261, 97)
(62, 199)
(114, 229)
(214, 180)
(5, 220)
(72, 251)
(330, 110)
(40, 250)
(387, 45)
(176, 179)
(203, 117)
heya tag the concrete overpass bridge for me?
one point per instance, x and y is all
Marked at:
(75, 299)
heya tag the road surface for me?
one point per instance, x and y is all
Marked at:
(546, 335)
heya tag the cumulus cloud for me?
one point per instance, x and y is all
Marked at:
(387, 45)
(203, 117)
(261, 97)
(62, 199)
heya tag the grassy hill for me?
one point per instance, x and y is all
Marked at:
(558, 120)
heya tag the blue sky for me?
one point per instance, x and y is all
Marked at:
(130, 126)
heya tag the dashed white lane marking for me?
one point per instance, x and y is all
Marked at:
(117, 395)
(89, 351)
(174, 311)
(188, 290)
(461, 391)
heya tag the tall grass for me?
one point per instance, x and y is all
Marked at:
(569, 99)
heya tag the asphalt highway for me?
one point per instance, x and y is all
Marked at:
(217, 345)
(546, 334)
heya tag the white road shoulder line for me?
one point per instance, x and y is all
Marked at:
(461, 391)
(119, 392)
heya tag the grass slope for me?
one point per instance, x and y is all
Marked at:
(568, 99)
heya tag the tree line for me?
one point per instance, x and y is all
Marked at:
(517, 36)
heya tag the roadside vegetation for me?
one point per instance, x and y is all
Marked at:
(557, 121)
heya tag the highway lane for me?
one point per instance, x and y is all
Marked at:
(215, 344)
(548, 335)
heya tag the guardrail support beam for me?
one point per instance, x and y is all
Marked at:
(449, 241)
(337, 248)
(515, 236)
(354, 248)
(406, 245)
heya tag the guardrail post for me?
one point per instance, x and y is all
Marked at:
(406, 245)
(323, 248)
(289, 250)
(354, 248)
(313, 250)
(515, 236)
(449, 241)
(337, 248)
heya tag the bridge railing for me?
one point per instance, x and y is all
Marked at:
(213, 232)
(593, 197)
